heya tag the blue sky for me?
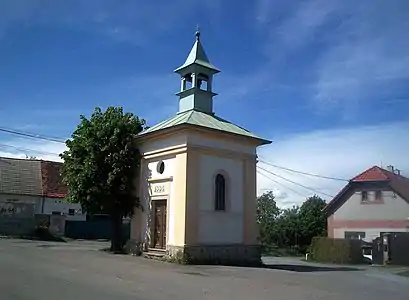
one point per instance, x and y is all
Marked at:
(326, 77)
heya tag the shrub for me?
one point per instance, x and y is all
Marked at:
(339, 251)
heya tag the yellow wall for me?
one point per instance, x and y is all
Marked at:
(180, 193)
(246, 186)
(251, 230)
(192, 186)
(186, 168)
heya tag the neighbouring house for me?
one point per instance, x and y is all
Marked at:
(198, 177)
(373, 202)
(54, 192)
(29, 187)
(20, 195)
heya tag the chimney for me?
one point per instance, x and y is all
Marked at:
(397, 171)
(390, 168)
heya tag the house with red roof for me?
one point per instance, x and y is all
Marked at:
(375, 201)
(31, 186)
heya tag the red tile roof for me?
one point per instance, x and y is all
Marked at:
(373, 174)
(52, 184)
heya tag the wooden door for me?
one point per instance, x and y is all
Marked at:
(159, 235)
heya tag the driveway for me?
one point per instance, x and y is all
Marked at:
(77, 270)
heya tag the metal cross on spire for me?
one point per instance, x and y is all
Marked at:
(197, 34)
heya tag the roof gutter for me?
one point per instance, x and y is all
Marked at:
(142, 136)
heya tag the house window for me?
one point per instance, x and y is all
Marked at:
(364, 196)
(71, 211)
(220, 193)
(353, 235)
(378, 196)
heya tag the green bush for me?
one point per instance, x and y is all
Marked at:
(282, 251)
(338, 251)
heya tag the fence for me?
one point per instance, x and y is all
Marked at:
(93, 229)
(16, 226)
(391, 248)
(16, 218)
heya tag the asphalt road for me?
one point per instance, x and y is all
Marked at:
(77, 270)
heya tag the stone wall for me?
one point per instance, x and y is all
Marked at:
(16, 226)
(16, 218)
(11, 225)
(237, 255)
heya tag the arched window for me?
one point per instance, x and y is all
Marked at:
(220, 192)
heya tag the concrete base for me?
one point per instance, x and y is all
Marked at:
(236, 255)
(134, 247)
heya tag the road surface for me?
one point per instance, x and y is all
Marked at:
(77, 271)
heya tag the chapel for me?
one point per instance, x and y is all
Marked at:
(197, 185)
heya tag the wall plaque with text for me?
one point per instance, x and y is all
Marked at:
(159, 188)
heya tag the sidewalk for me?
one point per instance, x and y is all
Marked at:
(396, 270)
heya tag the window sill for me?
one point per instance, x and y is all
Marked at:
(369, 202)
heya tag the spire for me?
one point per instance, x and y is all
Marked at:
(196, 80)
(198, 56)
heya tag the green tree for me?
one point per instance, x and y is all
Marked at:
(101, 164)
(267, 212)
(312, 219)
(286, 229)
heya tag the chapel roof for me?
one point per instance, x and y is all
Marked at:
(201, 119)
(197, 55)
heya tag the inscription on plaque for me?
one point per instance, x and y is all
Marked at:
(159, 188)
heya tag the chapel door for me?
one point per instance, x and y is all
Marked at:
(159, 235)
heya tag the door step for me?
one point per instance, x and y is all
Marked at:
(154, 253)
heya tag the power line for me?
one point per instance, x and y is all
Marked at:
(303, 173)
(28, 150)
(31, 135)
(279, 183)
(296, 183)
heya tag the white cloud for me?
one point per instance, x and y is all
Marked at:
(300, 27)
(360, 55)
(361, 48)
(340, 153)
(22, 148)
(128, 21)
(370, 52)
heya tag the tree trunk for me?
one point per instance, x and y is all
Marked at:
(116, 236)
